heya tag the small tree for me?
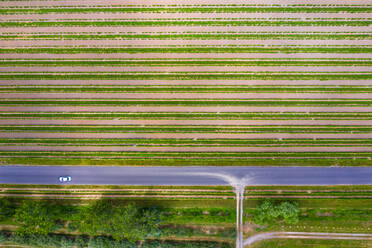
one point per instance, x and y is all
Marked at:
(6, 209)
(35, 218)
(95, 218)
(134, 224)
(290, 212)
(268, 212)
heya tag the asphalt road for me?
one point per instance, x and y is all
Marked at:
(188, 175)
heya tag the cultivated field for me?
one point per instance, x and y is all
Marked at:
(186, 82)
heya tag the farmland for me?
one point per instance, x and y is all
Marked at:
(186, 83)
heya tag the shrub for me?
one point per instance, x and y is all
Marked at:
(6, 209)
(35, 218)
(268, 212)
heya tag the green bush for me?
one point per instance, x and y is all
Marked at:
(35, 218)
(122, 222)
(268, 212)
(71, 227)
(3, 238)
(6, 209)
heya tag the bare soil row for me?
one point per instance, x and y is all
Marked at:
(194, 69)
(181, 55)
(185, 122)
(186, 82)
(170, 95)
(184, 149)
(75, 16)
(214, 109)
(188, 29)
(171, 2)
(118, 42)
(186, 135)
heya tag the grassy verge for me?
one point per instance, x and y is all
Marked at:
(243, 75)
(181, 155)
(188, 142)
(331, 36)
(192, 129)
(61, 161)
(192, 116)
(186, 89)
(232, 49)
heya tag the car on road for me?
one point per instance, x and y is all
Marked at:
(64, 179)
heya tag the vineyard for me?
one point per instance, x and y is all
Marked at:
(178, 83)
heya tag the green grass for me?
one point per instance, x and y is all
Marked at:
(97, 161)
(206, 36)
(187, 89)
(243, 75)
(195, 49)
(192, 129)
(193, 116)
(188, 142)
(190, 62)
(116, 187)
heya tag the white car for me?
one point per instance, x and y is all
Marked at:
(64, 179)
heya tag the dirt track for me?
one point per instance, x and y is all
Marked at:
(306, 235)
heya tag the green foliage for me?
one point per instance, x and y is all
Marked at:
(94, 219)
(268, 212)
(65, 241)
(3, 238)
(71, 227)
(6, 209)
(35, 218)
(102, 242)
(122, 222)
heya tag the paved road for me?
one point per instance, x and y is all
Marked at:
(189, 175)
